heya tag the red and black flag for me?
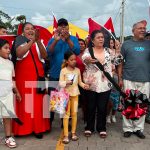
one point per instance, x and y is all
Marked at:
(107, 34)
(109, 25)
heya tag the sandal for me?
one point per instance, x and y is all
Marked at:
(74, 137)
(65, 140)
(87, 133)
(103, 134)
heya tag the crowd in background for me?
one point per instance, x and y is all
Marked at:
(71, 64)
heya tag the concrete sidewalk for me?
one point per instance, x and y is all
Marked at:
(114, 141)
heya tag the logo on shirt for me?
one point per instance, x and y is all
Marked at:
(139, 49)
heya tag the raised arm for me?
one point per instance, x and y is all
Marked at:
(23, 49)
(53, 42)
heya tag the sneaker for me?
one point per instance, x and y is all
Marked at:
(127, 134)
(10, 142)
(113, 119)
(139, 134)
(108, 119)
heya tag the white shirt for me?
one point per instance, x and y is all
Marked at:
(6, 74)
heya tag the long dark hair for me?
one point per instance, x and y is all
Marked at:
(67, 55)
(114, 43)
(3, 42)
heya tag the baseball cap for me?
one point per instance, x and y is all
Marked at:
(147, 33)
(62, 21)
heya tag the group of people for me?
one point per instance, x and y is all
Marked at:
(72, 64)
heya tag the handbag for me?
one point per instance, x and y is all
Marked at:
(41, 85)
(59, 101)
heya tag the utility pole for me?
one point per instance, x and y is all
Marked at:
(122, 21)
(120, 27)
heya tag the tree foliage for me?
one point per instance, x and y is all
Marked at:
(8, 22)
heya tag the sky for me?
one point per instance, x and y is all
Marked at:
(39, 12)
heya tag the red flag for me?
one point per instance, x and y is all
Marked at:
(19, 31)
(54, 24)
(109, 25)
(9, 38)
(77, 35)
(93, 25)
(45, 35)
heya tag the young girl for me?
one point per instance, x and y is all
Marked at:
(114, 95)
(70, 77)
(7, 85)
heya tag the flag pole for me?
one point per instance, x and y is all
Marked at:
(110, 33)
(122, 22)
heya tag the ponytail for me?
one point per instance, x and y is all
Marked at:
(64, 64)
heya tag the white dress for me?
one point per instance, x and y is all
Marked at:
(6, 86)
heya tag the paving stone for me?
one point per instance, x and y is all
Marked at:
(114, 140)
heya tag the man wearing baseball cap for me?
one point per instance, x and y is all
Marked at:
(56, 48)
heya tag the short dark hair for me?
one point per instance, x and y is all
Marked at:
(68, 54)
(62, 21)
(26, 24)
(92, 36)
(3, 42)
(82, 41)
(3, 26)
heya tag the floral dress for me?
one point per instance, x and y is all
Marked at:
(94, 76)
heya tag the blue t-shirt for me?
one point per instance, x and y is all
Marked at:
(57, 56)
(137, 60)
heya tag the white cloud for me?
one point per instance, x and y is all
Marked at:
(78, 11)
(42, 20)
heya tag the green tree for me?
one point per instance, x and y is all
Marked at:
(7, 21)
(21, 18)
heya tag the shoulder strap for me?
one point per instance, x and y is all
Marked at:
(13, 53)
(34, 63)
(108, 76)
